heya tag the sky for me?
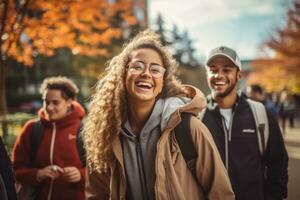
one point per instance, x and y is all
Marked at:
(242, 25)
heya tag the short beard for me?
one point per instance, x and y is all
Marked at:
(228, 91)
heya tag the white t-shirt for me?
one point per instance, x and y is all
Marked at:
(226, 113)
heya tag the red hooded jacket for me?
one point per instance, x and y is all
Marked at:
(63, 134)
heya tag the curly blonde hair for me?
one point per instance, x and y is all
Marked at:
(108, 105)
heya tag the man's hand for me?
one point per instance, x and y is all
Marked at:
(71, 174)
(51, 171)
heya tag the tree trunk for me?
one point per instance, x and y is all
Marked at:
(3, 104)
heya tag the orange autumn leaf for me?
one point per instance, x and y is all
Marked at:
(41, 26)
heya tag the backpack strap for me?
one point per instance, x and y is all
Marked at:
(262, 124)
(80, 145)
(36, 136)
(185, 142)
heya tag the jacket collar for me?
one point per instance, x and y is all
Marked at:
(212, 105)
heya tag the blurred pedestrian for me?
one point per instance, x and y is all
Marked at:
(290, 109)
(255, 173)
(132, 152)
(287, 109)
(51, 167)
(257, 93)
(7, 182)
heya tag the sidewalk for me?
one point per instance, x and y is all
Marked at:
(292, 140)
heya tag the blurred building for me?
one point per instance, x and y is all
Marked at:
(140, 10)
(246, 71)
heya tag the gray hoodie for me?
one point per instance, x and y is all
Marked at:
(140, 151)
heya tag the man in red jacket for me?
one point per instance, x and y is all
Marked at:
(56, 171)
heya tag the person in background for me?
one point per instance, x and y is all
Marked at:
(230, 120)
(256, 92)
(132, 152)
(287, 109)
(7, 182)
(57, 171)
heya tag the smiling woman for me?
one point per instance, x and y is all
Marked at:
(132, 152)
(143, 84)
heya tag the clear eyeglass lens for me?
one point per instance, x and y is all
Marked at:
(156, 71)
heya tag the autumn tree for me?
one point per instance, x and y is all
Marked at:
(161, 30)
(184, 50)
(282, 71)
(181, 44)
(190, 69)
(29, 28)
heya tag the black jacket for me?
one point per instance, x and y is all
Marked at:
(252, 176)
(7, 182)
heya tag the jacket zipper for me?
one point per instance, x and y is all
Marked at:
(156, 170)
(142, 169)
(51, 158)
(228, 135)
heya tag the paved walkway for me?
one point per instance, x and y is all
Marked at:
(292, 141)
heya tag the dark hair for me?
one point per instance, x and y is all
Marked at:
(256, 88)
(66, 86)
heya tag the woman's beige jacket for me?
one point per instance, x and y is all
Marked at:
(174, 180)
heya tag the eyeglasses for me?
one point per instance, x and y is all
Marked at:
(137, 68)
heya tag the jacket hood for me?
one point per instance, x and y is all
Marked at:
(197, 103)
(77, 113)
(173, 106)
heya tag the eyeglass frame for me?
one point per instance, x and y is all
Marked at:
(134, 71)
